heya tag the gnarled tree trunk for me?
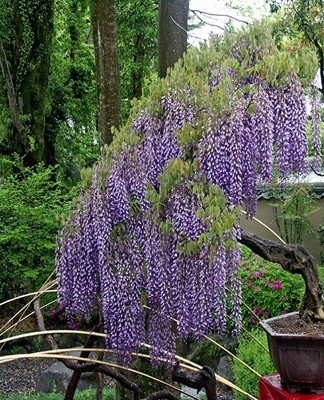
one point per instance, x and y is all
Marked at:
(296, 260)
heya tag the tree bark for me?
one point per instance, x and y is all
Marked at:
(138, 73)
(296, 260)
(203, 378)
(172, 33)
(104, 27)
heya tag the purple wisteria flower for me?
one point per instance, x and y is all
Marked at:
(119, 253)
(181, 210)
(263, 129)
(316, 129)
(289, 112)
(148, 151)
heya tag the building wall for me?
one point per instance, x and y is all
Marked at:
(266, 215)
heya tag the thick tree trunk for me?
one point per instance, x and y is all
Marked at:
(203, 378)
(296, 260)
(138, 73)
(107, 68)
(172, 33)
(34, 34)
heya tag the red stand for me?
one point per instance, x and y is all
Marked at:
(270, 389)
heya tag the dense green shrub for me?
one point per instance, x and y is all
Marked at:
(267, 289)
(256, 356)
(32, 204)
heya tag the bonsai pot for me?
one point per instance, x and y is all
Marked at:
(298, 358)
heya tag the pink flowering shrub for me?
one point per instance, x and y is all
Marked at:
(267, 289)
(56, 318)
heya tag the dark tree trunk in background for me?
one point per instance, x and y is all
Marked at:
(104, 28)
(172, 35)
(138, 73)
(28, 54)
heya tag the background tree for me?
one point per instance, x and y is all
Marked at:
(72, 108)
(25, 62)
(303, 19)
(104, 27)
(32, 204)
(172, 33)
(309, 17)
(137, 22)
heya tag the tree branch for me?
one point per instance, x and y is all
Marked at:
(207, 23)
(296, 260)
(74, 380)
(312, 38)
(315, 172)
(41, 326)
(218, 15)
(14, 107)
(203, 378)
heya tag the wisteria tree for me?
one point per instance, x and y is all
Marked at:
(153, 244)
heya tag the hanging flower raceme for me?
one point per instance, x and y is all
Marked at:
(123, 315)
(262, 126)
(153, 229)
(181, 209)
(316, 129)
(213, 150)
(78, 279)
(249, 165)
(290, 141)
(148, 151)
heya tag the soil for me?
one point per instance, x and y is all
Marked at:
(292, 324)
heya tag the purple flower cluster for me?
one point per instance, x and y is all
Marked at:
(214, 148)
(148, 152)
(263, 129)
(267, 128)
(290, 141)
(181, 209)
(316, 129)
(118, 252)
(76, 265)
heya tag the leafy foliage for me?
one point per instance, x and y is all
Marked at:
(32, 205)
(293, 211)
(257, 357)
(137, 41)
(71, 118)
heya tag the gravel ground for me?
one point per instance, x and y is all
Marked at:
(21, 376)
